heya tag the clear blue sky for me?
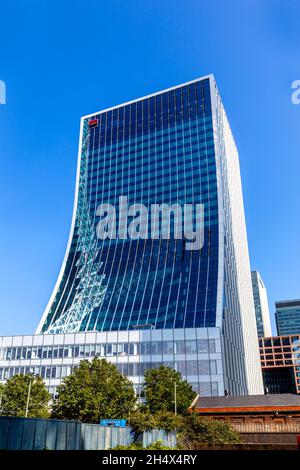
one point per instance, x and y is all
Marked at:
(61, 60)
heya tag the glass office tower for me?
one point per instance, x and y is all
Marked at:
(287, 317)
(175, 148)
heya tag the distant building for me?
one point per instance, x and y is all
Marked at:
(280, 361)
(261, 305)
(288, 317)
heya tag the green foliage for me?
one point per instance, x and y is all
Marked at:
(158, 445)
(143, 420)
(160, 393)
(133, 446)
(15, 393)
(202, 430)
(95, 390)
(168, 421)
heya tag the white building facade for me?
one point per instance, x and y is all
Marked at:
(195, 353)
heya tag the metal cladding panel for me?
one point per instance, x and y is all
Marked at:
(51, 435)
(114, 437)
(61, 435)
(168, 439)
(4, 432)
(28, 434)
(107, 440)
(71, 436)
(40, 435)
(125, 436)
(94, 439)
(15, 432)
(101, 439)
(87, 436)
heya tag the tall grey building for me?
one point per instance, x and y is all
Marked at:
(261, 306)
(145, 291)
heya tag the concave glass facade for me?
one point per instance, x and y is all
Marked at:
(172, 147)
(156, 150)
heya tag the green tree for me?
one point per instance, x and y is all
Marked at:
(1, 395)
(168, 421)
(15, 394)
(202, 430)
(142, 420)
(93, 391)
(159, 390)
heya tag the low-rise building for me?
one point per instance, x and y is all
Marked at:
(259, 418)
(195, 353)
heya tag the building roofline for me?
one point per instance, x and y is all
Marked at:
(279, 336)
(279, 302)
(210, 76)
(243, 409)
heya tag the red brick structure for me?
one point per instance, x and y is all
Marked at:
(275, 415)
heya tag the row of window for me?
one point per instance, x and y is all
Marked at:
(279, 341)
(144, 112)
(209, 199)
(117, 178)
(204, 389)
(170, 175)
(153, 109)
(203, 188)
(140, 197)
(185, 147)
(277, 362)
(279, 349)
(186, 368)
(190, 147)
(202, 123)
(198, 158)
(148, 128)
(159, 155)
(295, 357)
(193, 160)
(171, 139)
(111, 349)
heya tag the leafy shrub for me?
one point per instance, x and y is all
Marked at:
(158, 445)
(202, 430)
